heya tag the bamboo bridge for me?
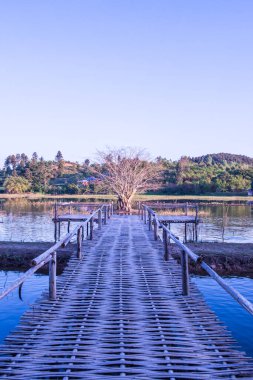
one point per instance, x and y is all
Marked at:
(122, 308)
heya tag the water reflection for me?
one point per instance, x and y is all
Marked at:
(31, 220)
(234, 224)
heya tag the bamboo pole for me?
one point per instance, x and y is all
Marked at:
(79, 244)
(50, 255)
(247, 305)
(91, 228)
(139, 208)
(55, 231)
(49, 251)
(155, 229)
(185, 273)
(22, 279)
(99, 219)
(149, 221)
(165, 244)
(52, 277)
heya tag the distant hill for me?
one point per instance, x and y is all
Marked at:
(220, 158)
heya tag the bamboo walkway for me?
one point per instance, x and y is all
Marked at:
(120, 312)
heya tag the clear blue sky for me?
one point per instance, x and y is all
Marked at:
(172, 76)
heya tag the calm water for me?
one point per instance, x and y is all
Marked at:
(236, 222)
(24, 220)
(11, 307)
(238, 321)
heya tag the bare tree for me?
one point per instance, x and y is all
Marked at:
(125, 172)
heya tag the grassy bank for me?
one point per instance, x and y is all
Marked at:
(138, 197)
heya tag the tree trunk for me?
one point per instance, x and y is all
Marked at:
(124, 204)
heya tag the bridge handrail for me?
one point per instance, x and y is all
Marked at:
(62, 205)
(243, 301)
(50, 254)
(65, 240)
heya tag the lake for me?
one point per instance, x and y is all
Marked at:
(25, 220)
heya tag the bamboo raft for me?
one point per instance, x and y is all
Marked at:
(119, 311)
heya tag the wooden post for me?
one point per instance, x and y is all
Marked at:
(55, 231)
(155, 229)
(142, 213)
(91, 228)
(112, 211)
(145, 215)
(165, 244)
(68, 225)
(52, 277)
(55, 222)
(185, 274)
(185, 233)
(108, 211)
(87, 230)
(59, 230)
(196, 223)
(149, 221)
(55, 211)
(79, 244)
(139, 208)
(99, 219)
(105, 215)
(82, 233)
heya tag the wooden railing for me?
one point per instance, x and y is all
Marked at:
(50, 256)
(71, 207)
(171, 206)
(149, 216)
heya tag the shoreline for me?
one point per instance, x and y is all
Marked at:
(17, 256)
(227, 259)
(138, 197)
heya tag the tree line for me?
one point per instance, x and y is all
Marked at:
(212, 173)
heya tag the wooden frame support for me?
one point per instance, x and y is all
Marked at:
(99, 219)
(79, 243)
(165, 244)
(52, 277)
(185, 274)
(91, 228)
(149, 221)
(155, 229)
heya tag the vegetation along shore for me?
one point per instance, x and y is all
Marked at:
(217, 174)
